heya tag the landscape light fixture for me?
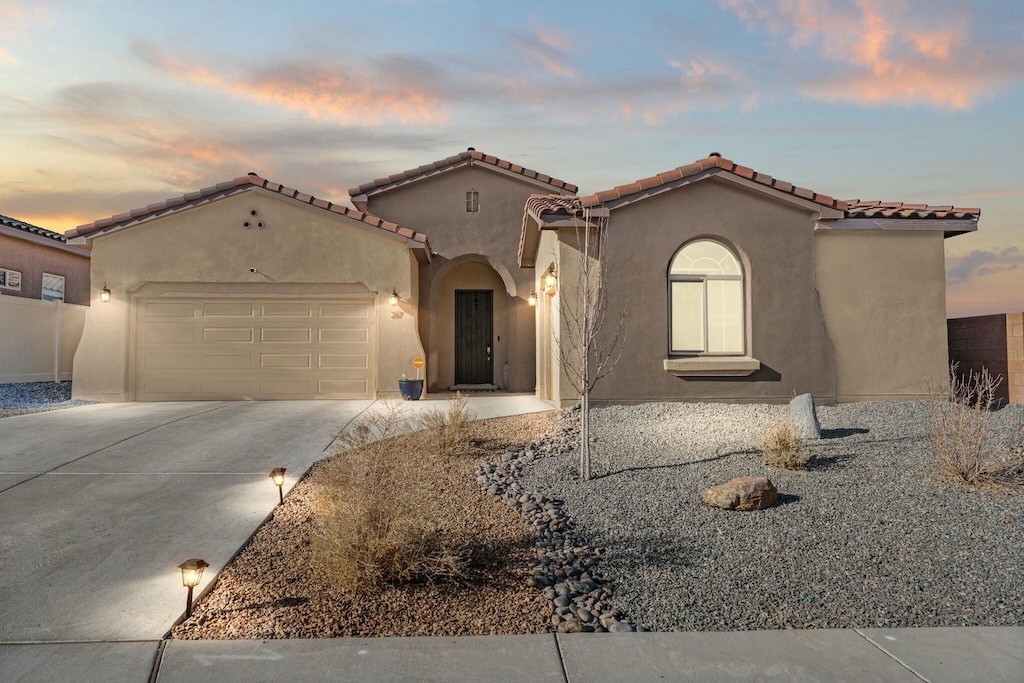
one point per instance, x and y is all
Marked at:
(277, 474)
(393, 299)
(105, 293)
(191, 574)
(532, 300)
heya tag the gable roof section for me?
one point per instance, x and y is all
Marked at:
(41, 236)
(252, 181)
(544, 209)
(470, 157)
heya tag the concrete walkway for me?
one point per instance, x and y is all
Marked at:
(942, 655)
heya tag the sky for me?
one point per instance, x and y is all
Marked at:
(108, 106)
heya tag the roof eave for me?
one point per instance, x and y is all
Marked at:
(950, 227)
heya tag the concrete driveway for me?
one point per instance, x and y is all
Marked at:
(101, 503)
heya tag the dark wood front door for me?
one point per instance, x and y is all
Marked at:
(474, 343)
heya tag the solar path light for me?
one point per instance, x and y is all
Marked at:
(191, 574)
(277, 474)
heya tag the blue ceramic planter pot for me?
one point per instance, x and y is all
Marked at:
(411, 389)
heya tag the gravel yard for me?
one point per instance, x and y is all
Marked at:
(269, 591)
(35, 397)
(869, 537)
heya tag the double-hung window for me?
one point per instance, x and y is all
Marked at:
(706, 306)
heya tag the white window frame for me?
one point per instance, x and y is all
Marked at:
(63, 289)
(5, 277)
(704, 280)
(472, 201)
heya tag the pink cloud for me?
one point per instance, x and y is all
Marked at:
(550, 48)
(350, 97)
(887, 52)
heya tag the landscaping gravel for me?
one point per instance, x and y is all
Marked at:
(869, 537)
(35, 397)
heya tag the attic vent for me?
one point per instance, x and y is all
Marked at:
(472, 201)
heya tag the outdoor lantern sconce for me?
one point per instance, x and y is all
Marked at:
(532, 300)
(277, 475)
(191, 574)
(105, 293)
(550, 282)
(393, 299)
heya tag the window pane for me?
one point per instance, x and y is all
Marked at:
(53, 287)
(725, 316)
(705, 257)
(687, 316)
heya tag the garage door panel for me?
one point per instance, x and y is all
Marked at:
(254, 349)
(228, 334)
(229, 309)
(287, 310)
(286, 335)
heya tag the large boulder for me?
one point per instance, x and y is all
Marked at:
(742, 493)
(805, 417)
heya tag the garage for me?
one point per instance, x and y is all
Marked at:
(248, 290)
(254, 349)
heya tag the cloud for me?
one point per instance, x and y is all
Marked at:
(346, 95)
(979, 263)
(907, 53)
(549, 48)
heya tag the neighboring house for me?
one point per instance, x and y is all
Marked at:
(994, 343)
(742, 287)
(39, 264)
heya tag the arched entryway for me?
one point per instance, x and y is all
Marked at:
(469, 341)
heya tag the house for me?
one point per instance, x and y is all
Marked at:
(740, 287)
(39, 264)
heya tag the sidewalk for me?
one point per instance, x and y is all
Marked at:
(936, 655)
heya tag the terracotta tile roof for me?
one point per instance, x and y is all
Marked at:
(469, 157)
(857, 209)
(540, 204)
(711, 163)
(34, 229)
(231, 187)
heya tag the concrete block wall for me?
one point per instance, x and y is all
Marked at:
(994, 342)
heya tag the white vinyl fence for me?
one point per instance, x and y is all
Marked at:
(38, 339)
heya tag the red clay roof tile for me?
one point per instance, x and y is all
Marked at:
(241, 184)
(384, 184)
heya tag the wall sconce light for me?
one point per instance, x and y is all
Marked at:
(277, 474)
(104, 293)
(532, 299)
(550, 282)
(191, 574)
(393, 299)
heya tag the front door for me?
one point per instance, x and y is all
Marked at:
(474, 327)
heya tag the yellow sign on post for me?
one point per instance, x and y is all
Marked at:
(418, 363)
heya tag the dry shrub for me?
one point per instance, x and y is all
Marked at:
(969, 448)
(448, 427)
(784, 449)
(373, 517)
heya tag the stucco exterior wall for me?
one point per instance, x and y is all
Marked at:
(884, 297)
(785, 326)
(437, 206)
(208, 245)
(32, 260)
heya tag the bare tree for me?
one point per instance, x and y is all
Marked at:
(585, 354)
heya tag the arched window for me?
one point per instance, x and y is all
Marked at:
(706, 300)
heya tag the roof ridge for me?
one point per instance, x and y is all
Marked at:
(470, 154)
(252, 179)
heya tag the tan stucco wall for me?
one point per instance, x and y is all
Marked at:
(884, 298)
(785, 325)
(32, 260)
(208, 244)
(442, 354)
(437, 207)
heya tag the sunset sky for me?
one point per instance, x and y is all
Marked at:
(108, 106)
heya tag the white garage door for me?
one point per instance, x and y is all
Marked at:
(254, 349)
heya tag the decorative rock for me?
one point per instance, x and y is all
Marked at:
(805, 417)
(742, 493)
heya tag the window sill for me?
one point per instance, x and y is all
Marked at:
(712, 366)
